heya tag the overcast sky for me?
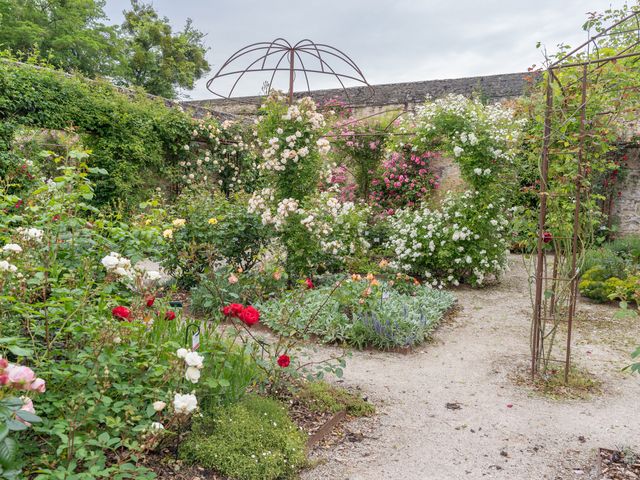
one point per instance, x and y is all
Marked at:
(391, 41)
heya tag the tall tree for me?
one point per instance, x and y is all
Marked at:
(69, 34)
(155, 57)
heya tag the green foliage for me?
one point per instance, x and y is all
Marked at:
(157, 59)
(611, 271)
(321, 397)
(606, 259)
(103, 374)
(359, 313)
(216, 230)
(252, 440)
(135, 138)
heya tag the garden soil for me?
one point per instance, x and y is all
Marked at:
(451, 409)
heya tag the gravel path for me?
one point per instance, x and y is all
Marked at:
(470, 362)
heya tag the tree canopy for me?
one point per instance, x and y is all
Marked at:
(74, 35)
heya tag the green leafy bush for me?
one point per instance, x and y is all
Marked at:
(136, 138)
(360, 313)
(254, 439)
(210, 230)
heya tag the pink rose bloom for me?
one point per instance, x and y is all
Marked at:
(3, 363)
(39, 385)
(4, 379)
(27, 407)
(20, 376)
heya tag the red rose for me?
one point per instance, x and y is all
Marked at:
(55, 218)
(309, 283)
(226, 311)
(236, 309)
(121, 312)
(284, 361)
(150, 301)
(4, 379)
(170, 315)
(18, 204)
(547, 237)
(250, 316)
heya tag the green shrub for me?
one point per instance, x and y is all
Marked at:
(592, 284)
(609, 263)
(216, 231)
(627, 248)
(251, 440)
(359, 313)
(136, 138)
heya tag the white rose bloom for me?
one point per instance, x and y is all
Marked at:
(192, 374)
(193, 359)
(185, 403)
(12, 248)
(159, 405)
(110, 262)
(157, 426)
(182, 352)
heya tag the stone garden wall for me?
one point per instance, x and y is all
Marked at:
(626, 207)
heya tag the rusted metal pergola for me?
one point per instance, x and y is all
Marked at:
(557, 274)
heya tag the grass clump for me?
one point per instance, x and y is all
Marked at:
(251, 440)
(320, 397)
(581, 384)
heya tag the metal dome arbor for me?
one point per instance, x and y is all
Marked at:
(304, 57)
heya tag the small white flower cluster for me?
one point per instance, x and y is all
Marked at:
(480, 133)
(480, 172)
(118, 265)
(222, 162)
(194, 363)
(11, 248)
(5, 266)
(462, 241)
(293, 141)
(34, 234)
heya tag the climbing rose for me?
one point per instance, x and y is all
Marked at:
(284, 361)
(121, 312)
(150, 301)
(310, 284)
(170, 315)
(547, 237)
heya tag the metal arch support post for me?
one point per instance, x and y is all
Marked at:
(576, 222)
(536, 333)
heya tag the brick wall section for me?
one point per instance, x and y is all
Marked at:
(626, 208)
(395, 95)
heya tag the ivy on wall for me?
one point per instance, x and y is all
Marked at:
(136, 138)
